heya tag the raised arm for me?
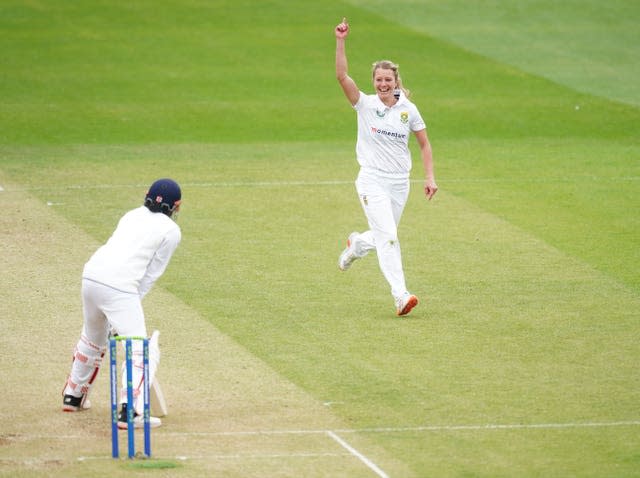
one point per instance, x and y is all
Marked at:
(349, 86)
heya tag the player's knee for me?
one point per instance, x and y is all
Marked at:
(89, 353)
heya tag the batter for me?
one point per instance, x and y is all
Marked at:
(114, 281)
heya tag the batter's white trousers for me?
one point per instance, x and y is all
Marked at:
(103, 308)
(383, 198)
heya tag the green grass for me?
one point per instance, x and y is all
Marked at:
(526, 261)
(587, 45)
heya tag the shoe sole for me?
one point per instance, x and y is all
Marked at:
(411, 303)
(343, 253)
(136, 426)
(345, 267)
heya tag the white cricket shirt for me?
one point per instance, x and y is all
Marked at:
(383, 133)
(137, 253)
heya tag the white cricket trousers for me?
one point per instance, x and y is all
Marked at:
(383, 198)
(104, 306)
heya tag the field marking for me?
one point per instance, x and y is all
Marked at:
(336, 182)
(333, 434)
(491, 426)
(371, 465)
(228, 456)
(232, 456)
(424, 428)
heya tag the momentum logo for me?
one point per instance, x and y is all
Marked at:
(391, 134)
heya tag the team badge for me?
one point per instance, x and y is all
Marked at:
(404, 117)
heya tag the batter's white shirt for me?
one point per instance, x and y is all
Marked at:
(137, 253)
(383, 133)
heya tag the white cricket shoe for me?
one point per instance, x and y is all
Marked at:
(348, 256)
(405, 303)
(138, 420)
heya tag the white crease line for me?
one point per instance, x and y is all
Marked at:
(371, 465)
(234, 184)
(224, 184)
(232, 456)
(426, 428)
(513, 426)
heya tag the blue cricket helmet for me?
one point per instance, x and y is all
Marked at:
(163, 196)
